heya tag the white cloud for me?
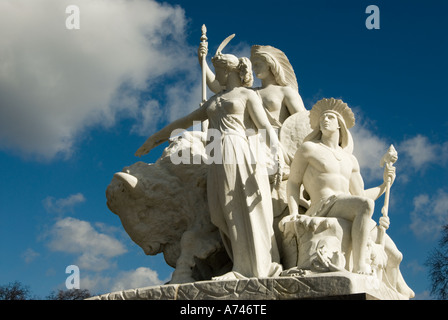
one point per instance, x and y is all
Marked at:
(430, 214)
(63, 205)
(420, 152)
(94, 249)
(139, 278)
(415, 154)
(150, 115)
(368, 149)
(55, 83)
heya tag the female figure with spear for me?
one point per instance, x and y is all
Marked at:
(238, 188)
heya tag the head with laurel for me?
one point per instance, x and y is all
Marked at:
(228, 63)
(270, 59)
(345, 116)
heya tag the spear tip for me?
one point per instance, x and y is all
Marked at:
(204, 31)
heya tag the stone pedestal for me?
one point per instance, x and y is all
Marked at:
(332, 285)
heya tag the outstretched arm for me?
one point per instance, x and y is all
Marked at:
(357, 183)
(164, 134)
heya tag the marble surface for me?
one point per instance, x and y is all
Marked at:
(279, 288)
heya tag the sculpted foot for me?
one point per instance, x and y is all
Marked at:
(232, 275)
(363, 269)
(227, 276)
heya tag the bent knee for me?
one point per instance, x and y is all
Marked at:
(367, 206)
(395, 257)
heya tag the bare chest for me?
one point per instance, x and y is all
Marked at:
(272, 99)
(330, 161)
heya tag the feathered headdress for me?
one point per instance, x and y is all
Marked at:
(334, 105)
(343, 112)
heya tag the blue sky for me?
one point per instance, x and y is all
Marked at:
(76, 104)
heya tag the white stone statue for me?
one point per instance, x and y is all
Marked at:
(291, 203)
(330, 174)
(279, 93)
(238, 188)
(279, 90)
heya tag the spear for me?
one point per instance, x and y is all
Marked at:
(387, 161)
(204, 73)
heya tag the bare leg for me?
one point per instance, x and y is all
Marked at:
(359, 210)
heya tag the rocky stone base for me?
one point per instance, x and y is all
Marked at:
(332, 285)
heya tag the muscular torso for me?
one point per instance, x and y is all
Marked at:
(328, 172)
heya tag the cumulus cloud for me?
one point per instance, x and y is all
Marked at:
(369, 149)
(141, 277)
(55, 83)
(430, 214)
(179, 101)
(63, 205)
(415, 154)
(138, 278)
(420, 152)
(94, 250)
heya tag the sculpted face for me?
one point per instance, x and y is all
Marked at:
(221, 74)
(329, 122)
(260, 67)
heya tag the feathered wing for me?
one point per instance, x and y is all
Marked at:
(224, 44)
(288, 70)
